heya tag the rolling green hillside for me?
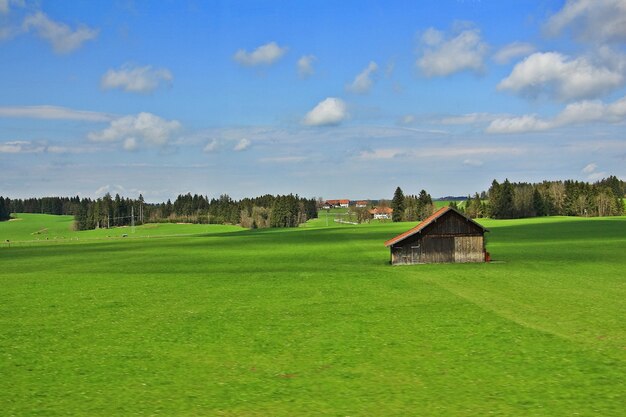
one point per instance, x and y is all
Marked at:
(45, 228)
(314, 321)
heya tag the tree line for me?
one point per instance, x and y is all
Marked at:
(509, 200)
(107, 211)
(408, 208)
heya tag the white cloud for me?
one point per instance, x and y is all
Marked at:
(407, 119)
(589, 168)
(526, 123)
(363, 81)
(513, 50)
(444, 152)
(263, 55)
(62, 38)
(473, 162)
(576, 113)
(591, 20)
(328, 112)
(242, 145)
(53, 113)
(5, 5)
(444, 56)
(305, 65)
(111, 189)
(21, 146)
(283, 159)
(468, 119)
(135, 79)
(212, 146)
(130, 144)
(57, 149)
(144, 127)
(381, 154)
(560, 77)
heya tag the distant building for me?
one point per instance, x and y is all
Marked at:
(361, 204)
(445, 236)
(381, 213)
(336, 203)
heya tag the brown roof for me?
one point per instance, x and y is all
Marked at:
(381, 210)
(430, 219)
(337, 201)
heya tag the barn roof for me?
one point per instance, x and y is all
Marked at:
(430, 219)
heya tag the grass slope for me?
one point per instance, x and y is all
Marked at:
(313, 321)
(45, 228)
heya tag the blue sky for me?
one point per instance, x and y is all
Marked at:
(335, 99)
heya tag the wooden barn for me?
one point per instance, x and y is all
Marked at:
(445, 236)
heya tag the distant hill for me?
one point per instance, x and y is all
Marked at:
(451, 198)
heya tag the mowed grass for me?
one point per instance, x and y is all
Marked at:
(313, 321)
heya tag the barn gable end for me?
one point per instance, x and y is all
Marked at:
(445, 236)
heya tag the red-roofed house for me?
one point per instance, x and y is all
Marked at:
(381, 213)
(361, 204)
(336, 203)
(445, 236)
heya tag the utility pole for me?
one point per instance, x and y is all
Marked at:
(132, 218)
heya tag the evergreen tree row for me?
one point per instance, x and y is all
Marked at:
(549, 198)
(410, 207)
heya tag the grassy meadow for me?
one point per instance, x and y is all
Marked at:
(218, 320)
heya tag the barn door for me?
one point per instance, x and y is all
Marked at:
(438, 249)
(416, 252)
(446, 249)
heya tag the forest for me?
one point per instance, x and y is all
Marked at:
(508, 200)
(107, 211)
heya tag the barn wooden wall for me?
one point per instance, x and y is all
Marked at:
(451, 239)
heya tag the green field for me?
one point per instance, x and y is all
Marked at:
(446, 203)
(311, 321)
(31, 229)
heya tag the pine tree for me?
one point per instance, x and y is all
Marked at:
(397, 204)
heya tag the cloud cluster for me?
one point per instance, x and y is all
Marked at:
(263, 55)
(305, 66)
(62, 38)
(328, 112)
(135, 79)
(591, 20)
(447, 55)
(588, 111)
(134, 130)
(363, 81)
(54, 113)
(561, 77)
(21, 146)
(214, 145)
